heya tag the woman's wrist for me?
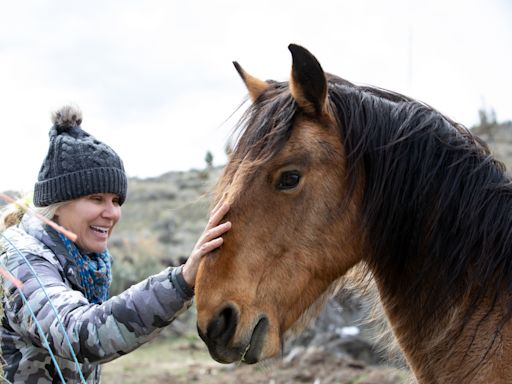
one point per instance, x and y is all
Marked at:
(189, 279)
(179, 282)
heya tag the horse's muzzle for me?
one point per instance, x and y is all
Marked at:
(219, 338)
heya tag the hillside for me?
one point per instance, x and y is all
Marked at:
(161, 221)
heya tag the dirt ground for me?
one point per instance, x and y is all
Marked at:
(320, 369)
(189, 362)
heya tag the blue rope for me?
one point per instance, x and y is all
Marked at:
(82, 379)
(42, 335)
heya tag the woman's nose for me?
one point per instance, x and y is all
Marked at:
(112, 211)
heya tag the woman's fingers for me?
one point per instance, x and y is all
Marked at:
(212, 235)
(217, 206)
(217, 214)
(209, 241)
(213, 229)
(209, 246)
(217, 231)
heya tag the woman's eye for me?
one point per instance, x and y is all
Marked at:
(288, 180)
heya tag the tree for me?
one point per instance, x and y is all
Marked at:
(209, 159)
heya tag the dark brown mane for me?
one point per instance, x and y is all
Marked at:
(436, 203)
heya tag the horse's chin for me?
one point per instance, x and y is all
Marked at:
(253, 352)
(249, 351)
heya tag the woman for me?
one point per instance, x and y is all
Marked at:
(82, 186)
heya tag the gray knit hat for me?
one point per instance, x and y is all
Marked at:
(77, 164)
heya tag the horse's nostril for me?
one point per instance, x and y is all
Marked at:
(222, 328)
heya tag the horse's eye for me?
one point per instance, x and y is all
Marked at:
(288, 180)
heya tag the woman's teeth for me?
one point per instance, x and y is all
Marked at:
(99, 229)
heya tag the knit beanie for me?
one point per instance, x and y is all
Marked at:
(77, 164)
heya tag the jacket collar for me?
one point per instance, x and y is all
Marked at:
(51, 240)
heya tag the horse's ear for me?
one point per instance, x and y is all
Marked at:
(254, 86)
(308, 84)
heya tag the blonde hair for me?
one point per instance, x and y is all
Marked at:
(12, 214)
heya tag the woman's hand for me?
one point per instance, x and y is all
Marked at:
(210, 239)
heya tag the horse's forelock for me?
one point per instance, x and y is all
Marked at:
(266, 125)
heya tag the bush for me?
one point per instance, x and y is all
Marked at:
(135, 259)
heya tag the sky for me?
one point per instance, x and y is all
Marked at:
(154, 79)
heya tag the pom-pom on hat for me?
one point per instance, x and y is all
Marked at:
(77, 164)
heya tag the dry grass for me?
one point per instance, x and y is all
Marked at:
(186, 360)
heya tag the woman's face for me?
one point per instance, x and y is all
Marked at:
(92, 218)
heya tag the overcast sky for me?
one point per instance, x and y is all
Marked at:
(154, 79)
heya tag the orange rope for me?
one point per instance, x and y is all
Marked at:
(70, 235)
(6, 275)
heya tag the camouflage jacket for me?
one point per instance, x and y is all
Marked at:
(98, 332)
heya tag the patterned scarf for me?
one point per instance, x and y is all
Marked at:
(95, 271)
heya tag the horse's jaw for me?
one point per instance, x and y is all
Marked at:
(235, 335)
(242, 334)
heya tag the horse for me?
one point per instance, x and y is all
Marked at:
(327, 176)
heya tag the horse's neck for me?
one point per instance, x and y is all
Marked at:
(444, 353)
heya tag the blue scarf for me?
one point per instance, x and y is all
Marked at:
(94, 269)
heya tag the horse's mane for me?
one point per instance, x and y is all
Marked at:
(436, 204)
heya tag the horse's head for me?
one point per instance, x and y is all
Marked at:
(295, 221)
